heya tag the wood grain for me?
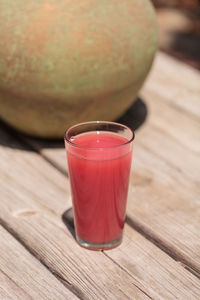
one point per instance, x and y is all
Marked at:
(164, 199)
(174, 123)
(176, 83)
(9, 289)
(167, 279)
(34, 195)
(22, 276)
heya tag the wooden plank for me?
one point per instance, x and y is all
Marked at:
(172, 219)
(34, 215)
(164, 201)
(176, 83)
(9, 289)
(165, 190)
(52, 151)
(177, 124)
(22, 276)
(151, 264)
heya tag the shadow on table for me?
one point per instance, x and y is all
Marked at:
(134, 117)
(68, 220)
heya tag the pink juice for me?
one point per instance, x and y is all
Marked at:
(99, 167)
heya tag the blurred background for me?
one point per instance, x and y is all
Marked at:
(179, 26)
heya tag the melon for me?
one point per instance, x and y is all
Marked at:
(64, 62)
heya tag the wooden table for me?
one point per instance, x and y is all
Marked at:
(160, 254)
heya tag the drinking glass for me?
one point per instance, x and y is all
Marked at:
(99, 155)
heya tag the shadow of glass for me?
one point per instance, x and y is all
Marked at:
(68, 220)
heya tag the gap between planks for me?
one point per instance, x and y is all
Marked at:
(131, 221)
(122, 268)
(173, 253)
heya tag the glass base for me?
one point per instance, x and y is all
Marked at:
(98, 246)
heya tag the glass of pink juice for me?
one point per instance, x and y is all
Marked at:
(99, 157)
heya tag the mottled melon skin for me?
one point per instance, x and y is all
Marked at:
(63, 62)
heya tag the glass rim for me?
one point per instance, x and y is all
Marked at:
(98, 122)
